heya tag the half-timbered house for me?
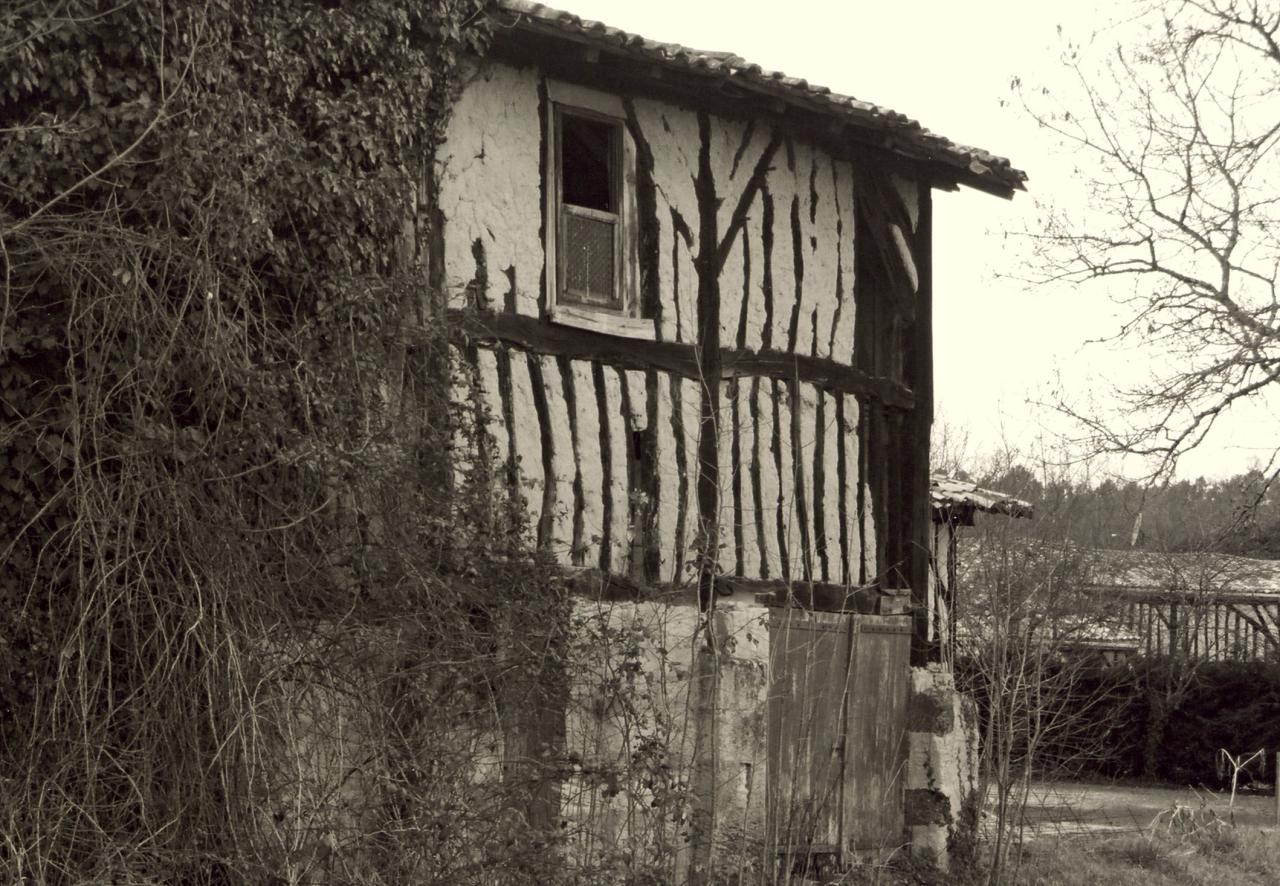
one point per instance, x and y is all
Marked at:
(696, 300)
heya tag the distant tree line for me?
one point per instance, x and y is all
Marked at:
(1237, 515)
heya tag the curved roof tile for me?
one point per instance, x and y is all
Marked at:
(912, 138)
(946, 492)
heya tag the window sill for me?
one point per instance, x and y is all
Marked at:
(609, 324)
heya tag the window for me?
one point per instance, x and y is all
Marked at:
(590, 230)
(591, 268)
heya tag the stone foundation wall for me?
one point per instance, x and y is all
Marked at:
(942, 762)
(643, 732)
(638, 723)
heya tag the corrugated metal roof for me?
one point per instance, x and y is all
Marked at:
(946, 492)
(899, 133)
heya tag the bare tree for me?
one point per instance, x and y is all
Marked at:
(1027, 637)
(1177, 134)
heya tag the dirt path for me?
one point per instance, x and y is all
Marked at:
(1082, 809)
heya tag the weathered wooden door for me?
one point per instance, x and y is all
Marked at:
(809, 666)
(836, 739)
(876, 731)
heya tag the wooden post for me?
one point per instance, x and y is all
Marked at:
(918, 544)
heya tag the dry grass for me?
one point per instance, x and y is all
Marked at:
(1225, 857)
(1161, 856)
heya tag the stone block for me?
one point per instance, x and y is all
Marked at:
(932, 711)
(926, 806)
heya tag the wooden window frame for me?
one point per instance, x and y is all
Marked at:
(578, 101)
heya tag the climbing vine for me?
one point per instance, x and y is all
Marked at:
(225, 432)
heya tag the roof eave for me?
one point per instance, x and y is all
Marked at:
(946, 172)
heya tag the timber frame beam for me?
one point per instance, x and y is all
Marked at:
(538, 336)
(813, 596)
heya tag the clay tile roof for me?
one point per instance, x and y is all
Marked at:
(945, 492)
(897, 132)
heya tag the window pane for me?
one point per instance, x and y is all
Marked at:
(586, 162)
(588, 260)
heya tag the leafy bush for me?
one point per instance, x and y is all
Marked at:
(1225, 704)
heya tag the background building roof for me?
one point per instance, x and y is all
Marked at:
(948, 494)
(1221, 575)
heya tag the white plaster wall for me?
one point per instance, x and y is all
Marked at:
(638, 393)
(904, 250)
(787, 482)
(727, 139)
(853, 538)
(619, 441)
(668, 482)
(808, 292)
(691, 411)
(491, 406)
(909, 193)
(782, 188)
(845, 311)
(563, 460)
(722, 423)
(753, 246)
(528, 440)
(770, 484)
(590, 462)
(861, 535)
(731, 292)
(672, 134)
(751, 553)
(490, 188)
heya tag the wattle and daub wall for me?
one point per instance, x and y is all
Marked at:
(774, 405)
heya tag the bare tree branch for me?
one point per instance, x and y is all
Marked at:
(1182, 226)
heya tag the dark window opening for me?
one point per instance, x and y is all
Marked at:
(638, 440)
(641, 480)
(587, 162)
(590, 243)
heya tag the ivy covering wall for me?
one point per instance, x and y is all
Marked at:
(223, 437)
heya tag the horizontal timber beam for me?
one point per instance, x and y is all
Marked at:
(815, 596)
(822, 596)
(541, 337)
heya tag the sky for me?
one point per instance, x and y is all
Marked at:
(1002, 346)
